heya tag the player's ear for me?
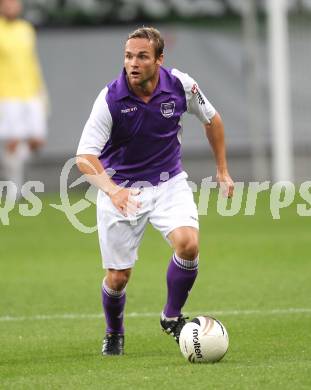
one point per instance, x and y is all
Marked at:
(160, 60)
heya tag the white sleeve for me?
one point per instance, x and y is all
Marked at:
(197, 103)
(97, 129)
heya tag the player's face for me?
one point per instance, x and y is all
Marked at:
(10, 9)
(140, 62)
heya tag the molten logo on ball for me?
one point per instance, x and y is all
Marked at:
(204, 339)
(196, 344)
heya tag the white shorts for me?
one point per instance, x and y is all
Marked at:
(167, 206)
(22, 119)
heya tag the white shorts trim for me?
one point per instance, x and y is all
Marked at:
(167, 206)
(22, 119)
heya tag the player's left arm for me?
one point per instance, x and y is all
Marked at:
(214, 130)
(201, 107)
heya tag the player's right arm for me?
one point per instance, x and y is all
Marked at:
(94, 137)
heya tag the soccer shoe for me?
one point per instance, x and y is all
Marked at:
(113, 344)
(173, 327)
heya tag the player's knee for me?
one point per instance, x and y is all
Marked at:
(188, 248)
(117, 279)
(11, 146)
(35, 144)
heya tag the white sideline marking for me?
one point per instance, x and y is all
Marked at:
(72, 316)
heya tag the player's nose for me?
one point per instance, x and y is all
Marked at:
(134, 62)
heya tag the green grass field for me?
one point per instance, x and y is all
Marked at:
(254, 276)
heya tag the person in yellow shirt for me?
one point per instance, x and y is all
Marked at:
(22, 94)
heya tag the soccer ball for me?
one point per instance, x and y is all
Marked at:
(203, 340)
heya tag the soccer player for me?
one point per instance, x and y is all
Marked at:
(23, 95)
(130, 148)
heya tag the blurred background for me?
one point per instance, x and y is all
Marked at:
(235, 49)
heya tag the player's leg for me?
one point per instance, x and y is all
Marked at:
(182, 270)
(15, 156)
(16, 153)
(119, 239)
(176, 217)
(35, 144)
(35, 126)
(181, 274)
(113, 299)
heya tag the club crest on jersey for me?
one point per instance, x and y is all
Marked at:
(168, 109)
(194, 89)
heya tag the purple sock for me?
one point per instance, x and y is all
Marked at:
(181, 275)
(113, 304)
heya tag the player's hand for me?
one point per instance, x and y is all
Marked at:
(225, 182)
(125, 200)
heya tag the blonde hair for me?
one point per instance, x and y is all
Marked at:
(153, 35)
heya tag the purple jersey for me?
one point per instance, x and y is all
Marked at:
(139, 141)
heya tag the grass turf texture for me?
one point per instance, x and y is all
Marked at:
(247, 263)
